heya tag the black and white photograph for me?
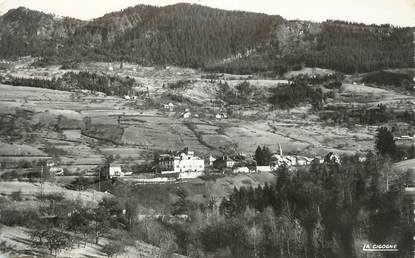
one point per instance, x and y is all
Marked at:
(207, 129)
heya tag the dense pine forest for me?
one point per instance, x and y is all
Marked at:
(202, 37)
(112, 85)
(326, 211)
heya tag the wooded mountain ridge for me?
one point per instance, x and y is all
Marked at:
(201, 37)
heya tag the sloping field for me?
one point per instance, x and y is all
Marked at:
(19, 239)
(33, 189)
(9, 92)
(249, 136)
(19, 150)
(405, 165)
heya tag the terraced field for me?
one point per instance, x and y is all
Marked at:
(82, 129)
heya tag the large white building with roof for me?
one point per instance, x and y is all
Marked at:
(185, 163)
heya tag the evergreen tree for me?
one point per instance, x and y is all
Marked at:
(385, 144)
(259, 156)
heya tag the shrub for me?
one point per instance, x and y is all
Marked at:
(11, 217)
(9, 175)
(52, 239)
(16, 196)
(181, 84)
(6, 248)
(113, 248)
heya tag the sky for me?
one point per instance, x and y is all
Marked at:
(395, 12)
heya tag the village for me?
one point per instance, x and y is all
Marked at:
(185, 164)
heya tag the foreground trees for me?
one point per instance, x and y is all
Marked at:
(325, 211)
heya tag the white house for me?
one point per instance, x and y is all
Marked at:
(169, 106)
(187, 115)
(185, 163)
(244, 170)
(303, 161)
(50, 163)
(291, 160)
(56, 171)
(221, 116)
(114, 170)
(211, 159)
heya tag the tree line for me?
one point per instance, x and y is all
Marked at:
(366, 115)
(70, 81)
(288, 96)
(324, 210)
(403, 81)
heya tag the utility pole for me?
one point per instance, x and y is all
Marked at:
(387, 177)
(41, 181)
(99, 180)
(387, 181)
(255, 249)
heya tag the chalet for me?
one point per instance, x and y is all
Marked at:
(210, 160)
(224, 162)
(185, 164)
(332, 157)
(221, 116)
(169, 107)
(56, 171)
(303, 161)
(291, 160)
(50, 163)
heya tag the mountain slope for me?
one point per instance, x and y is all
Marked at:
(28, 32)
(203, 37)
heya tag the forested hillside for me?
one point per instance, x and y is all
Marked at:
(203, 37)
